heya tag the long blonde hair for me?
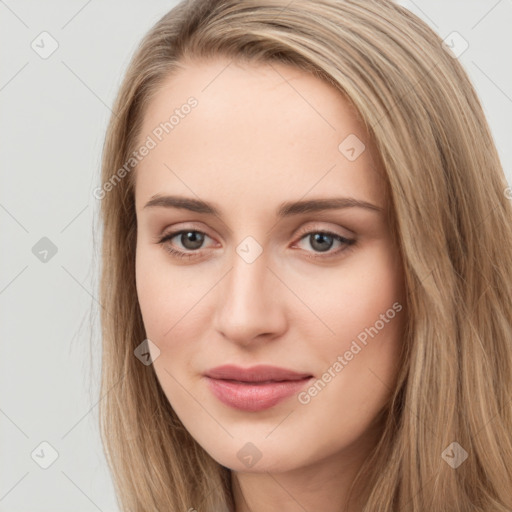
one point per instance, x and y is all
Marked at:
(451, 219)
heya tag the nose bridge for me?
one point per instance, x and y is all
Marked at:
(247, 303)
(247, 283)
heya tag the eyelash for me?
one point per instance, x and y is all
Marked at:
(348, 243)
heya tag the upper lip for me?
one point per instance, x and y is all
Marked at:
(259, 373)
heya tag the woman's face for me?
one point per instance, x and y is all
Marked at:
(270, 277)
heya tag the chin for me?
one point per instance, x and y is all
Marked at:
(256, 457)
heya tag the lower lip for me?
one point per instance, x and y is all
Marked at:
(254, 397)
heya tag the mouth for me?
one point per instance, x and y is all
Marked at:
(255, 374)
(264, 388)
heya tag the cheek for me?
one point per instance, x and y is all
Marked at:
(170, 301)
(364, 309)
(360, 297)
(160, 296)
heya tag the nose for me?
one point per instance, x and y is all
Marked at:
(250, 303)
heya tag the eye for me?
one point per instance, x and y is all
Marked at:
(191, 240)
(322, 242)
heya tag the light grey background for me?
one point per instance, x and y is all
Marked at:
(54, 115)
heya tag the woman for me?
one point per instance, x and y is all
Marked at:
(246, 364)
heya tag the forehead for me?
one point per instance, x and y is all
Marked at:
(270, 130)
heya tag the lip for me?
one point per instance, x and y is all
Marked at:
(255, 388)
(259, 373)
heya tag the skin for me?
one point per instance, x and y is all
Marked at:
(260, 135)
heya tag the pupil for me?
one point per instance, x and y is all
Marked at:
(320, 237)
(193, 237)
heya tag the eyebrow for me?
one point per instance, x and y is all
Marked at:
(286, 209)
